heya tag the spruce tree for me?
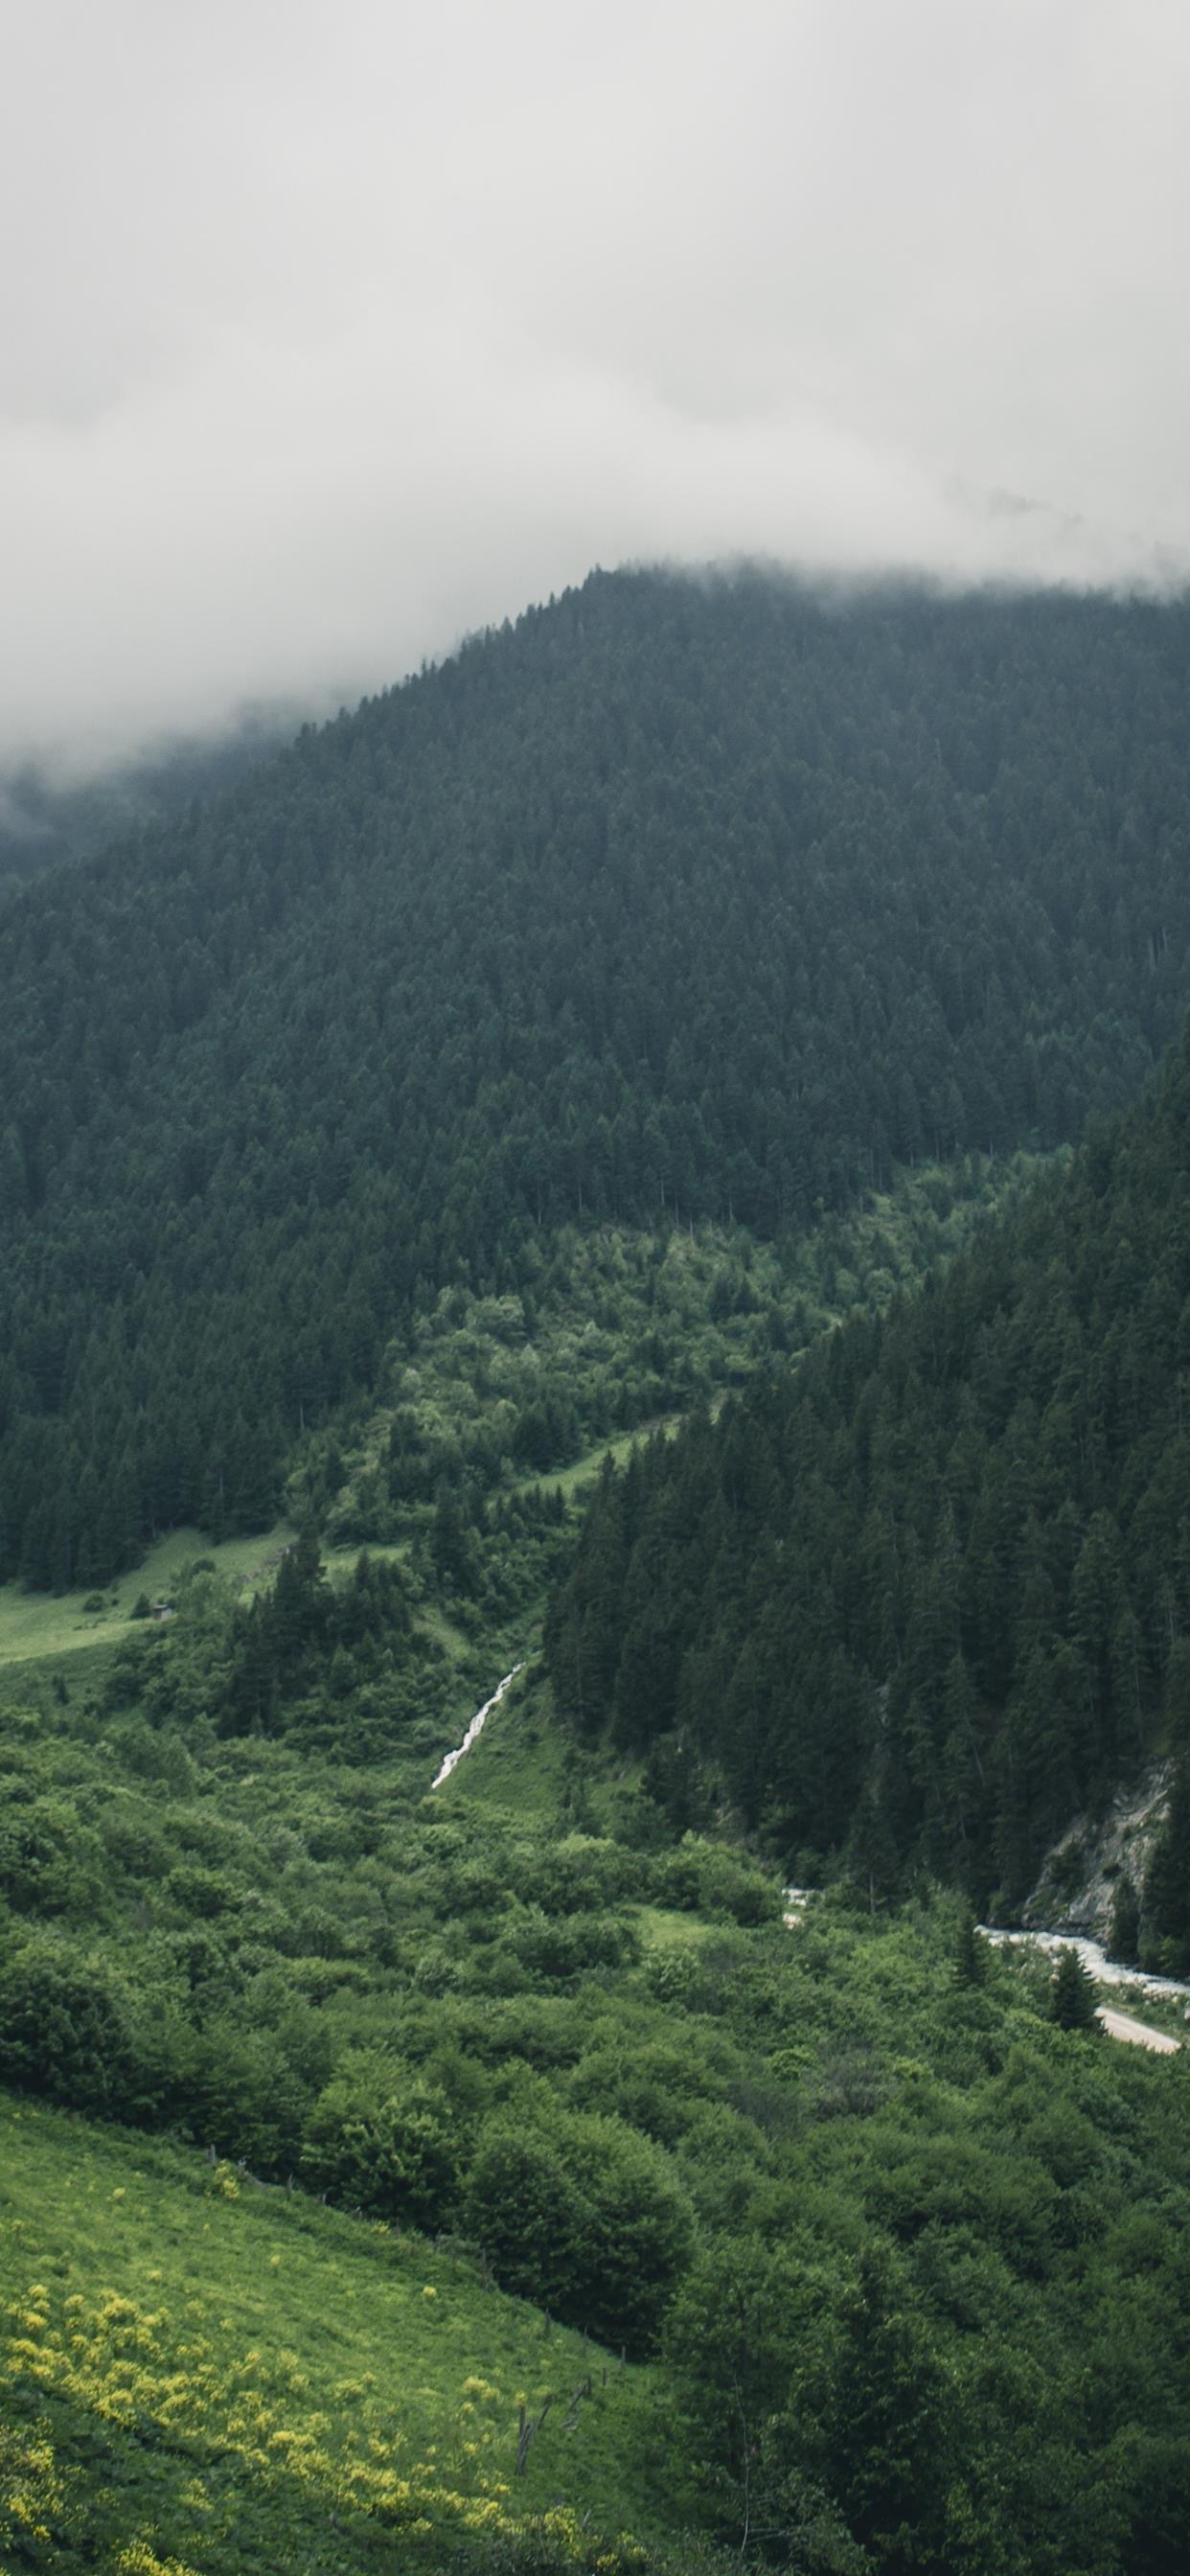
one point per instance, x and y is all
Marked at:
(970, 1954)
(1072, 1994)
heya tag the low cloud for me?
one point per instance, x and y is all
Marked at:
(336, 333)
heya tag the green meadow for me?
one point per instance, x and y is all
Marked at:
(34, 1625)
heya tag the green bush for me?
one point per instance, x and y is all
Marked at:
(67, 2030)
(50, 1862)
(380, 2141)
(585, 2216)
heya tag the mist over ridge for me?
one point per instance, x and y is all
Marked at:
(327, 346)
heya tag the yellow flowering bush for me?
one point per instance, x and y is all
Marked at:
(120, 2362)
(33, 2498)
(141, 2559)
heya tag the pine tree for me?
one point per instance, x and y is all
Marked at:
(970, 1953)
(1072, 1994)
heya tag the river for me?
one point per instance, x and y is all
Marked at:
(1106, 1972)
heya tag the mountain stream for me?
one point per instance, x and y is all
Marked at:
(1106, 1972)
(474, 1731)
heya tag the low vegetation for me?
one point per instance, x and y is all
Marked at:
(848, 2199)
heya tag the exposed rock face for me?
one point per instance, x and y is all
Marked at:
(1077, 1888)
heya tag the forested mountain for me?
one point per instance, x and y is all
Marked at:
(925, 1598)
(679, 899)
(507, 1065)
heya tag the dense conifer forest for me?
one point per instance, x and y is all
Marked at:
(926, 1598)
(679, 900)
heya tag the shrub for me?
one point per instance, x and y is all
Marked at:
(586, 2217)
(50, 1862)
(66, 2029)
(381, 2141)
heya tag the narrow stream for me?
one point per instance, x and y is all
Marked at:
(474, 1731)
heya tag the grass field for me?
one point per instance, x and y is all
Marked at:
(36, 1624)
(661, 1928)
(221, 2352)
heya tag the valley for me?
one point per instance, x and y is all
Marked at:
(519, 1447)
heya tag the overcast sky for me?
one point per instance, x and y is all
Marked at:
(327, 333)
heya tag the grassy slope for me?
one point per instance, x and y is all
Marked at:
(38, 1624)
(518, 1764)
(575, 1480)
(34, 1625)
(236, 2351)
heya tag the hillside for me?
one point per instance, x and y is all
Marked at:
(678, 902)
(202, 2368)
(847, 2201)
(921, 1601)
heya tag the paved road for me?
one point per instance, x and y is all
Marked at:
(1141, 2033)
